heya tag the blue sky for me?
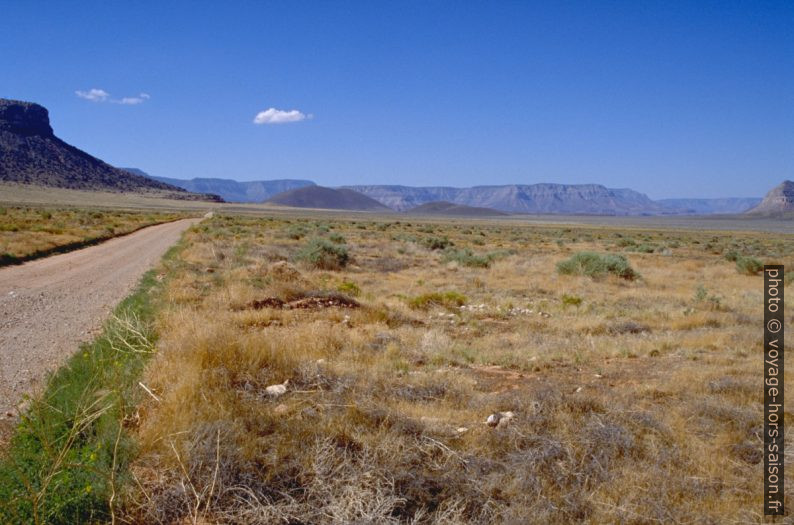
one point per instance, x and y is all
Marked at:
(675, 99)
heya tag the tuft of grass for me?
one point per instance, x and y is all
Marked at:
(596, 265)
(349, 288)
(323, 254)
(449, 299)
(571, 300)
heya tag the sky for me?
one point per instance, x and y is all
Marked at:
(673, 99)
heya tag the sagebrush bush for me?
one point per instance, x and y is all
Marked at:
(466, 257)
(597, 265)
(436, 243)
(323, 254)
(749, 265)
(338, 238)
(296, 232)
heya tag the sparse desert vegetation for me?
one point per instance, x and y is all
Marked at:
(30, 232)
(299, 379)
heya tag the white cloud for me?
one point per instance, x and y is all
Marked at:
(131, 101)
(94, 95)
(277, 116)
(100, 95)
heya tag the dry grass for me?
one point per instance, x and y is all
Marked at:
(27, 232)
(637, 402)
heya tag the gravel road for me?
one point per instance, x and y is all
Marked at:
(49, 306)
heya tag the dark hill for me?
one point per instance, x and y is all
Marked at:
(327, 198)
(451, 209)
(30, 153)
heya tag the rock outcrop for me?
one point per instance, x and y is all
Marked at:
(780, 199)
(30, 153)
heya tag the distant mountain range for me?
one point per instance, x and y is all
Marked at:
(544, 198)
(591, 199)
(30, 153)
(232, 190)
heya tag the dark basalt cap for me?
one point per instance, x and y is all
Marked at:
(24, 118)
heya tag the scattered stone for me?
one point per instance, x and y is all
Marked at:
(277, 390)
(281, 409)
(499, 419)
(578, 389)
(329, 301)
(461, 430)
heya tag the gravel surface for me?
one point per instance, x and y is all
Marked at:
(49, 306)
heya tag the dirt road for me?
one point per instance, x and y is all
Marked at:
(49, 306)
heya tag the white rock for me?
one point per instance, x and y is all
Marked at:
(461, 430)
(277, 390)
(499, 419)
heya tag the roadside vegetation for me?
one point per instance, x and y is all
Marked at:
(68, 459)
(31, 232)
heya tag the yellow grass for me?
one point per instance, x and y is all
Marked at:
(27, 232)
(640, 405)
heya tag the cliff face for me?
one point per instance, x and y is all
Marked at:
(780, 199)
(522, 198)
(30, 153)
(24, 118)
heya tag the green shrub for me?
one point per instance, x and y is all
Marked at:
(597, 265)
(296, 232)
(465, 257)
(436, 243)
(338, 238)
(323, 254)
(446, 299)
(749, 265)
(732, 256)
